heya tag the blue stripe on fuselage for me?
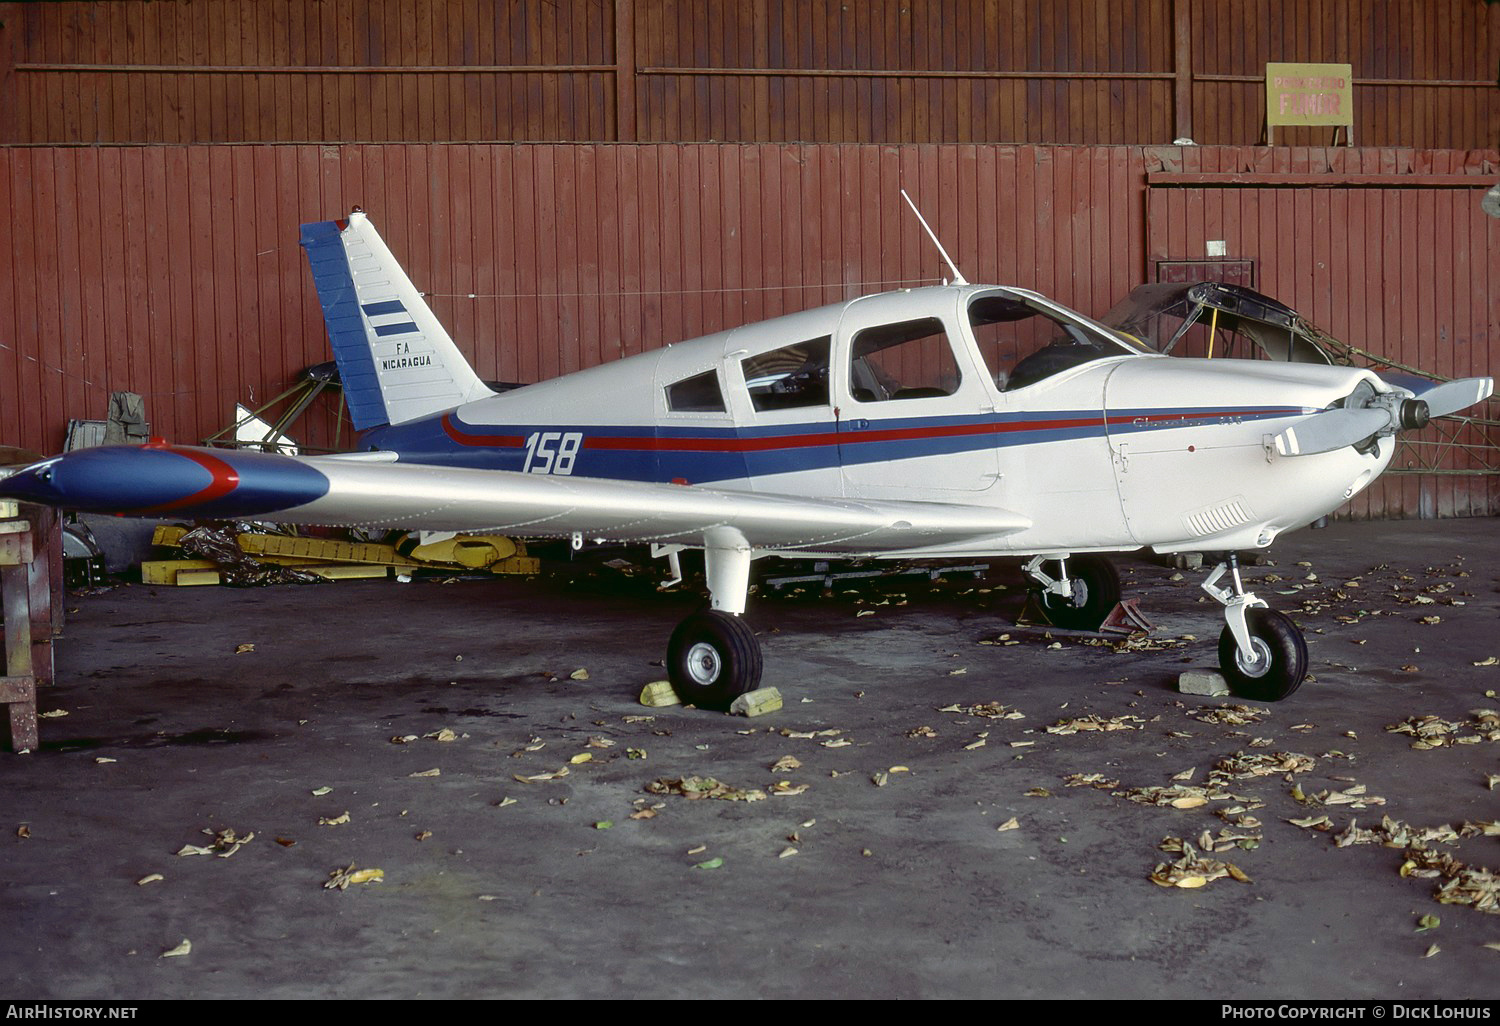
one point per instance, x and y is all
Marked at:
(704, 455)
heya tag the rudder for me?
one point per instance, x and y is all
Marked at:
(396, 361)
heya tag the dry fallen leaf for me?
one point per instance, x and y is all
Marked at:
(1009, 824)
(579, 674)
(226, 843)
(707, 787)
(153, 878)
(185, 948)
(786, 764)
(427, 773)
(342, 879)
(23, 830)
(334, 820)
(242, 649)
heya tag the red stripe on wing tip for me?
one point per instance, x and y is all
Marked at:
(224, 479)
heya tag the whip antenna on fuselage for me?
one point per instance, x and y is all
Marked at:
(958, 278)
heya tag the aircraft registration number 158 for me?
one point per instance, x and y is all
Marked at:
(552, 452)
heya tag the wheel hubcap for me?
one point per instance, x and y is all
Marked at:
(704, 664)
(1260, 665)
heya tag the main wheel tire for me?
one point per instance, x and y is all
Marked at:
(1096, 590)
(712, 659)
(1280, 662)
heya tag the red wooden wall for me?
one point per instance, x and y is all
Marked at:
(885, 71)
(175, 271)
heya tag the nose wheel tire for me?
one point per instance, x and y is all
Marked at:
(712, 659)
(1096, 590)
(1279, 661)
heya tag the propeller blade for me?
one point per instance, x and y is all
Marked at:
(1453, 396)
(1333, 429)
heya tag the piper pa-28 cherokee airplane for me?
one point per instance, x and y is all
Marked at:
(946, 421)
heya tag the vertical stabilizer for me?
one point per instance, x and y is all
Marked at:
(396, 362)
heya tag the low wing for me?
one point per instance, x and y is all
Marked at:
(374, 492)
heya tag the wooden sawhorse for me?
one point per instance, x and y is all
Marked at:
(31, 594)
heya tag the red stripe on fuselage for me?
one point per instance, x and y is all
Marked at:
(450, 428)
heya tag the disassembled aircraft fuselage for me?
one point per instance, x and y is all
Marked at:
(963, 421)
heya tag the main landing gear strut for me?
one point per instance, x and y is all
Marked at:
(714, 656)
(1262, 654)
(1076, 592)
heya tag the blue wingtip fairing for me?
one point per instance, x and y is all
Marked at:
(165, 480)
(332, 277)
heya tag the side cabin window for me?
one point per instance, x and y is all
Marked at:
(789, 377)
(906, 360)
(1023, 344)
(697, 394)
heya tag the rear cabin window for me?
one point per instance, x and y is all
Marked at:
(697, 394)
(790, 377)
(906, 360)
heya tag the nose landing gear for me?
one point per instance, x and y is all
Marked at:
(1262, 654)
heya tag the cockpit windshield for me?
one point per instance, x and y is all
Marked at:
(1023, 341)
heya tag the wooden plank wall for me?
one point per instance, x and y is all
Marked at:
(887, 71)
(1396, 259)
(175, 271)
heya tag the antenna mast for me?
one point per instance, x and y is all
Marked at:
(958, 278)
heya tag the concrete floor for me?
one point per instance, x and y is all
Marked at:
(494, 887)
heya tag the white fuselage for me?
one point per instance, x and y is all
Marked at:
(1124, 450)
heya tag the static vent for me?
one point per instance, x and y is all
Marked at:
(1221, 517)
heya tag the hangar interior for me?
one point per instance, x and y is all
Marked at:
(569, 182)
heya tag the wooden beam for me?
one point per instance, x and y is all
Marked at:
(625, 71)
(1182, 65)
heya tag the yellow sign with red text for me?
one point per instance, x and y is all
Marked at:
(1309, 94)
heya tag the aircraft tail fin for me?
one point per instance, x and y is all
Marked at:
(396, 362)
